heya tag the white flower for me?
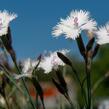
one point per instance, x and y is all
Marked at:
(2, 101)
(104, 104)
(5, 19)
(27, 67)
(74, 24)
(52, 61)
(103, 35)
(46, 64)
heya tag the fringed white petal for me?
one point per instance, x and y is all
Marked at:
(74, 24)
(5, 19)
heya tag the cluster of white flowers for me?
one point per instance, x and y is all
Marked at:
(48, 63)
(27, 68)
(102, 35)
(5, 19)
(52, 61)
(28, 65)
(79, 21)
(71, 27)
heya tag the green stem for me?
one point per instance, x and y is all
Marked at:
(6, 101)
(37, 105)
(13, 56)
(4, 96)
(11, 79)
(70, 101)
(61, 102)
(23, 81)
(96, 85)
(78, 79)
(67, 96)
(88, 74)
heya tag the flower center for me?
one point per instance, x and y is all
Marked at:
(76, 22)
(1, 24)
(54, 61)
(107, 29)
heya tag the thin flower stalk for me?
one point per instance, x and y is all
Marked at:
(13, 57)
(5, 34)
(7, 74)
(98, 82)
(81, 86)
(88, 73)
(23, 81)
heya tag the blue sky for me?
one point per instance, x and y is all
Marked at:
(32, 29)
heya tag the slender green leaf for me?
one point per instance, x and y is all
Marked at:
(90, 44)
(95, 50)
(64, 59)
(59, 87)
(39, 90)
(62, 80)
(81, 45)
